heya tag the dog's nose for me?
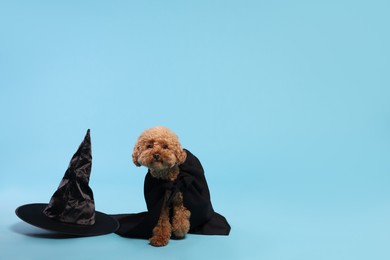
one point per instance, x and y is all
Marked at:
(156, 156)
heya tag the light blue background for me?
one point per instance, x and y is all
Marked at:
(286, 103)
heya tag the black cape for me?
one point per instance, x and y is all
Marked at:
(196, 195)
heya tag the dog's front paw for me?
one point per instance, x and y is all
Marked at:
(181, 232)
(181, 223)
(161, 234)
(159, 241)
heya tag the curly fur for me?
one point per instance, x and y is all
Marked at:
(159, 149)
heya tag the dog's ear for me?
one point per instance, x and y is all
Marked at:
(135, 155)
(181, 156)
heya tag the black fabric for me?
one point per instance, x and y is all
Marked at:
(196, 195)
(73, 200)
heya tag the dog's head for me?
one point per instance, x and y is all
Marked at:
(158, 148)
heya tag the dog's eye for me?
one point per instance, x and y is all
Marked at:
(165, 146)
(149, 146)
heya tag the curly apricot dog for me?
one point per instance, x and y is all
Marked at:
(159, 150)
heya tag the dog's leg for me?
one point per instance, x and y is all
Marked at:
(181, 217)
(162, 231)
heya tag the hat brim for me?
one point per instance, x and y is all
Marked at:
(33, 214)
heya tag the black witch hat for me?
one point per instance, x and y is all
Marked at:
(71, 209)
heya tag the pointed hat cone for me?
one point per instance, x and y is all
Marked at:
(73, 201)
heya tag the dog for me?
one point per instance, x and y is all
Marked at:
(159, 149)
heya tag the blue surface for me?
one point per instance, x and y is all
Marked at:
(285, 103)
